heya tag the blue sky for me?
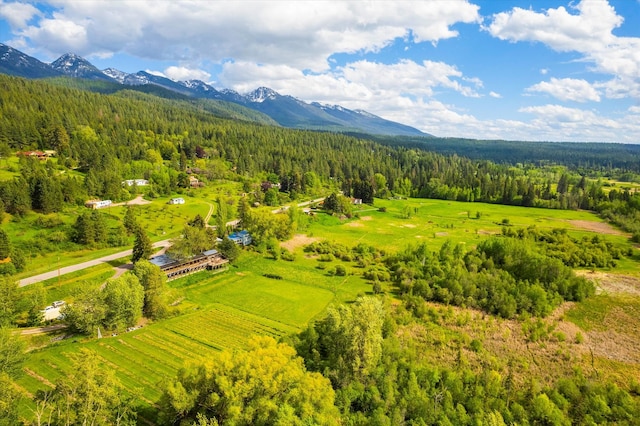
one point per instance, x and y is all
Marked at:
(548, 70)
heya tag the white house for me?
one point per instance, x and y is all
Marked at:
(136, 182)
(178, 200)
(97, 204)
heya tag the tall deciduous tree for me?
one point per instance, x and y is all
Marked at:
(11, 353)
(124, 299)
(347, 343)
(90, 394)
(9, 401)
(268, 384)
(87, 312)
(153, 280)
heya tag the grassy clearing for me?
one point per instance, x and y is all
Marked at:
(302, 294)
(434, 221)
(60, 288)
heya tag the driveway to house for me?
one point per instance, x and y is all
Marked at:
(83, 265)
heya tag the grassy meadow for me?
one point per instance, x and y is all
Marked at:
(218, 311)
(435, 221)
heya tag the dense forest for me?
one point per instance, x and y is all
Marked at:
(128, 134)
(361, 363)
(587, 157)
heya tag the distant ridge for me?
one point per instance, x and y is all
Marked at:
(286, 111)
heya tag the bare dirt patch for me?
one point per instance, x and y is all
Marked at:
(612, 283)
(483, 232)
(616, 346)
(365, 218)
(442, 234)
(138, 201)
(599, 227)
(355, 224)
(299, 240)
(409, 225)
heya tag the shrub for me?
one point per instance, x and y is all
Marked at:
(475, 345)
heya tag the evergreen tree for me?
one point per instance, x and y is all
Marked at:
(129, 220)
(142, 247)
(5, 245)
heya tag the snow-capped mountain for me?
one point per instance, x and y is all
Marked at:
(115, 74)
(78, 67)
(14, 62)
(285, 110)
(232, 96)
(202, 89)
(262, 94)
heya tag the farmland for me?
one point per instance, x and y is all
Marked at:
(222, 311)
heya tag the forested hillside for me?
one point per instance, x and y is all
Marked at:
(128, 134)
(589, 157)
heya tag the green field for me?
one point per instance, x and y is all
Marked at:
(217, 311)
(434, 221)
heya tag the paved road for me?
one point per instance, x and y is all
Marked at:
(83, 265)
(123, 268)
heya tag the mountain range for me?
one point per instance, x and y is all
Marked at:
(286, 111)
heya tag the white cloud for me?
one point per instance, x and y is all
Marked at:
(18, 14)
(560, 113)
(404, 92)
(586, 31)
(567, 89)
(184, 73)
(58, 35)
(299, 34)
(359, 85)
(544, 71)
(154, 72)
(589, 32)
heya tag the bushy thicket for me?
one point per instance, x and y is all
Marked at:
(502, 276)
(378, 380)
